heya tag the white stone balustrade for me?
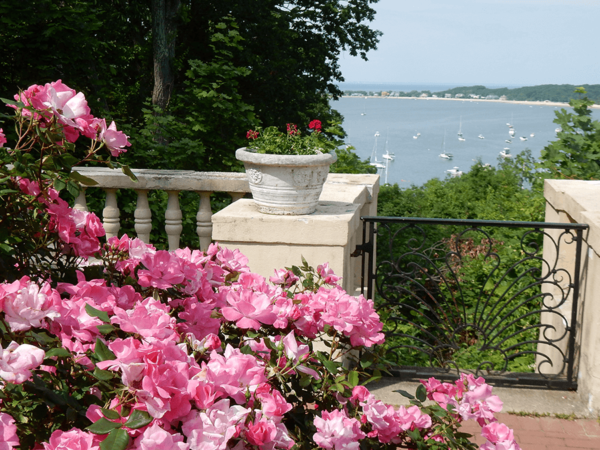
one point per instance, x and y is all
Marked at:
(570, 201)
(170, 181)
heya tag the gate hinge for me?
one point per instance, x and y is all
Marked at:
(360, 249)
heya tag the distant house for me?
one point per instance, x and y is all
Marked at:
(434, 96)
(492, 97)
(503, 98)
(385, 94)
(474, 96)
(447, 95)
(459, 95)
(424, 94)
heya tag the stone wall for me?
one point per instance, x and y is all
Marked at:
(579, 202)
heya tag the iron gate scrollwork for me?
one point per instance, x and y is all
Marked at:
(476, 296)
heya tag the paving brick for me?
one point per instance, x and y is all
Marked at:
(524, 440)
(589, 443)
(550, 424)
(572, 427)
(536, 447)
(591, 427)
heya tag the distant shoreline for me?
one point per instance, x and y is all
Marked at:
(516, 102)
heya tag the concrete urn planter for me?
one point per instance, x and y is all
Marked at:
(286, 184)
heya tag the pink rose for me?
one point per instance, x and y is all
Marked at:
(261, 432)
(156, 438)
(497, 432)
(16, 362)
(27, 305)
(73, 439)
(249, 309)
(335, 430)
(115, 141)
(2, 138)
(8, 432)
(274, 405)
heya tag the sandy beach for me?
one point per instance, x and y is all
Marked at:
(531, 103)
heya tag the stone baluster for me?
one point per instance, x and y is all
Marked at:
(204, 221)
(235, 196)
(111, 214)
(173, 222)
(143, 217)
(80, 201)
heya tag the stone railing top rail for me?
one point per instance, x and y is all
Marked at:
(167, 180)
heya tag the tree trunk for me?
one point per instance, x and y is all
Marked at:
(164, 32)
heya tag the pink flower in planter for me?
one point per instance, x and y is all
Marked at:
(383, 419)
(17, 361)
(156, 438)
(8, 432)
(284, 277)
(74, 439)
(26, 305)
(337, 431)
(2, 138)
(497, 432)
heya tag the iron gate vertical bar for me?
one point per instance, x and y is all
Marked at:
(371, 250)
(362, 260)
(573, 324)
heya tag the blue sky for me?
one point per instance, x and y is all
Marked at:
(490, 42)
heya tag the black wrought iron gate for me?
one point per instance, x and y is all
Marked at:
(476, 296)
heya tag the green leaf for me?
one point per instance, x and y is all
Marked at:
(331, 366)
(296, 271)
(103, 375)
(116, 440)
(421, 393)
(353, 378)
(59, 184)
(83, 179)
(366, 364)
(102, 352)
(105, 329)
(127, 171)
(405, 394)
(138, 419)
(62, 352)
(103, 426)
(93, 312)
(73, 188)
(110, 414)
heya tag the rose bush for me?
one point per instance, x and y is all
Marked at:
(182, 350)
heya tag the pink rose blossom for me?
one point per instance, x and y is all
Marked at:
(262, 432)
(26, 305)
(214, 428)
(274, 405)
(16, 362)
(74, 439)
(284, 277)
(412, 417)
(156, 438)
(327, 274)
(2, 138)
(233, 373)
(249, 309)
(149, 319)
(8, 432)
(496, 432)
(115, 141)
(336, 431)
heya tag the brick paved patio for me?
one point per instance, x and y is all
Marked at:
(546, 433)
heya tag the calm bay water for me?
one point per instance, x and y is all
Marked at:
(417, 160)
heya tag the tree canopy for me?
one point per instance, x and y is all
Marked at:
(231, 65)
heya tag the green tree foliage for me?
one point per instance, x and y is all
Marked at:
(485, 192)
(274, 62)
(576, 153)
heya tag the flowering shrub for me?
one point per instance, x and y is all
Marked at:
(293, 142)
(190, 350)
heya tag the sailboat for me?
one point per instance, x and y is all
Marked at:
(444, 154)
(364, 113)
(374, 161)
(454, 172)
(460, 134)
